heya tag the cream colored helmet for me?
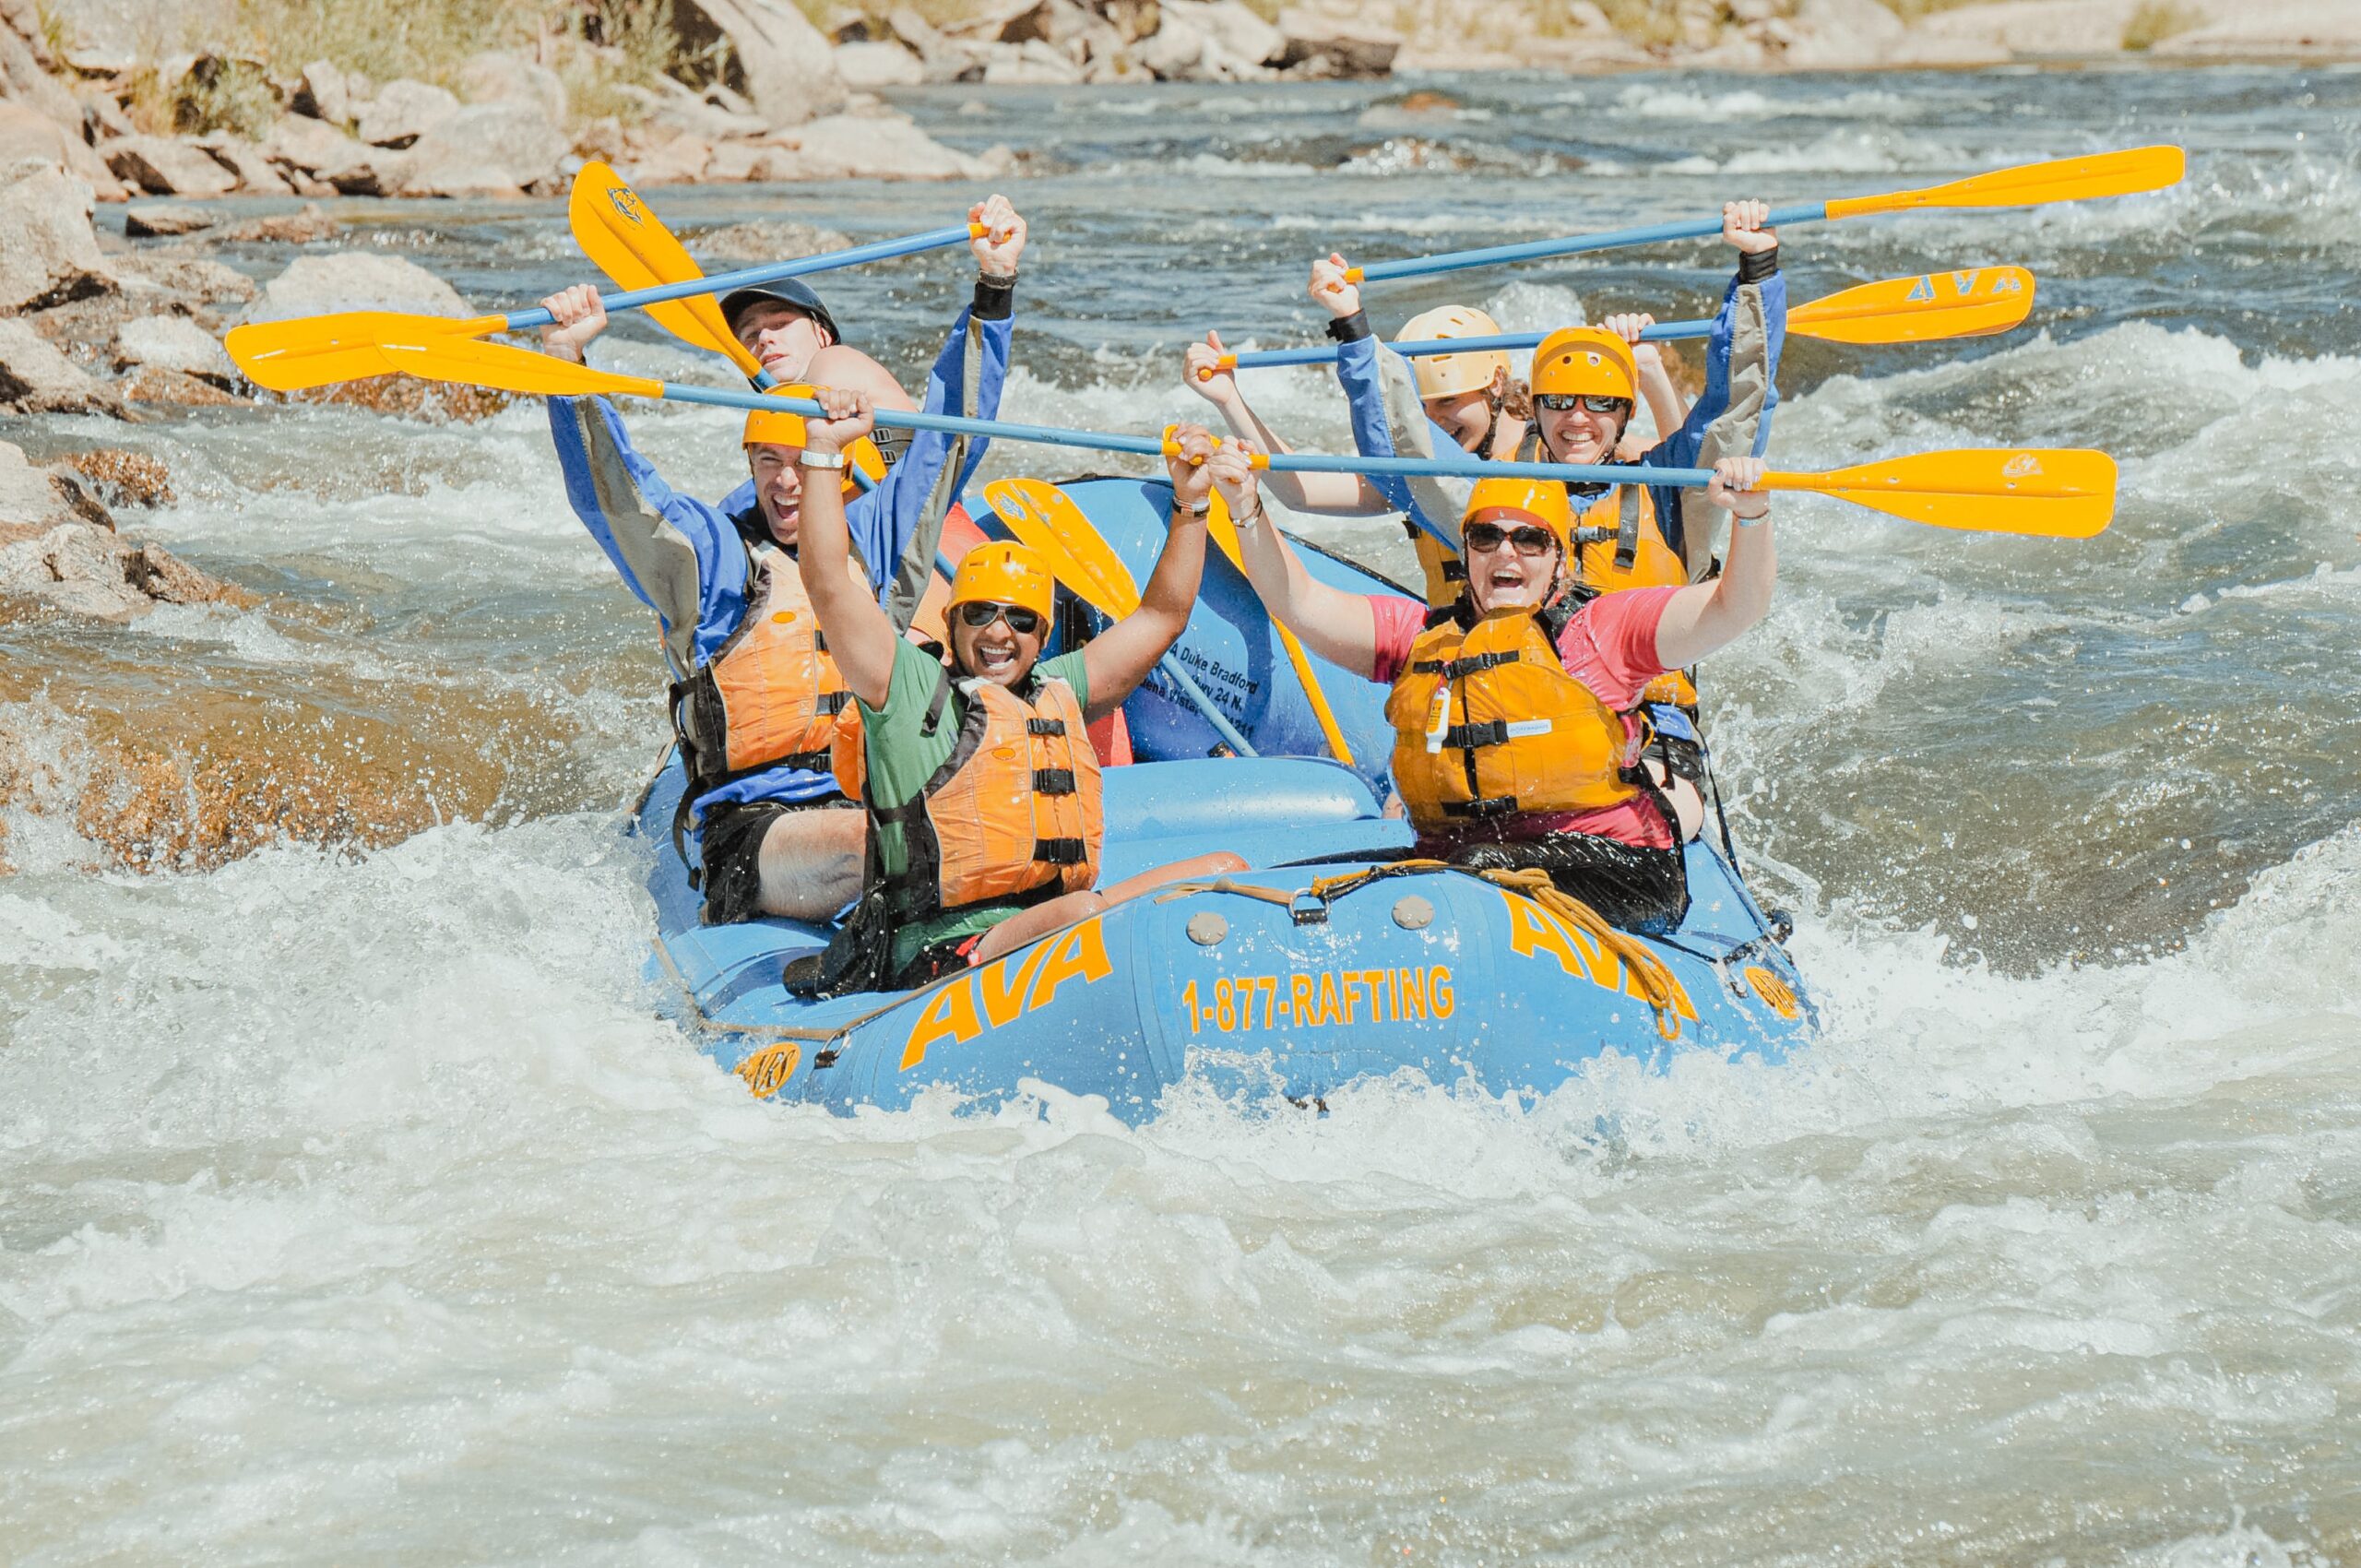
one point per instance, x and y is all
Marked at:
(1448, 376)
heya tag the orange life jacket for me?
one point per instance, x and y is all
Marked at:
(1014, 814)
(771, 695)
(1623, 547)
(1487, 722)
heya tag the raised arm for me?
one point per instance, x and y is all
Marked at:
(1666, 405)
(860, 635)
(1345, 494)
(1707, 617)
(1118, 659)
(1732, 415)
(1337, 626)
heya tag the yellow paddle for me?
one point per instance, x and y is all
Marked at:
(1927, 307)
(1045, 520)
(287, 356)
(631, 246)
(1059, 512)
(1225, 534)
(2057, 493)
(2030, 184)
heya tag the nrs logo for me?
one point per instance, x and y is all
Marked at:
(2023, 466)
(626, 201)
(767, 1070)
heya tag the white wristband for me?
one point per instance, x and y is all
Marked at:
(811, 459)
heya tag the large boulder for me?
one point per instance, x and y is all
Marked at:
(867, 67)
(49, 253)
(782, 62)
(26, 84)
(36, 379)
(27, 501)
(27, 135)
(485, 150)
(255, 173)
(321, 93)
(495, 77)
(1243, 37)
(162, 221)
(172, 342)
(1841, 34)
(874, 146)
(1322, 42)
(163, 166)
(404, 111)
(2295, 28)
(317, 285)
(308, 150)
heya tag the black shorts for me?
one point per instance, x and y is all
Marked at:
(1636, 888)
(730, 853)
(1681, 757)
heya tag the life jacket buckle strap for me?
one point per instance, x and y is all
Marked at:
(1061, 851)
(1053, 781)
(1045, 726)
(1481, 810)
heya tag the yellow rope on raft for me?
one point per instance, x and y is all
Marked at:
(1655, 983)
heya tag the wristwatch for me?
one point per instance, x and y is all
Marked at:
(1201, 508)
(811, 459)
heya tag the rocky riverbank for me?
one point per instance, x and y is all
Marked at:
(754, 90)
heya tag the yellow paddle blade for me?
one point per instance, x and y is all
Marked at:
(2030, 184)
(1045, 520)
(631, 246)
(320, 350)
(2063, 494)
(1224, 536)
(1970, 302)
(471, 362)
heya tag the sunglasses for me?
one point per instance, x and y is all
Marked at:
(1566, 402)
(982, 613)
(1488, 537)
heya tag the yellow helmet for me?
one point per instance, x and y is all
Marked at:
(785, 427)
(1003, 574)
(1447, 375)
(1512, 500)
(1585, 360)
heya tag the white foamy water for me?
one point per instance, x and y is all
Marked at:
(357, 1205)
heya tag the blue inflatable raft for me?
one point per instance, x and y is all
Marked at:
(1331, 960)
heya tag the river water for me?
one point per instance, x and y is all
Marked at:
(355, 1206)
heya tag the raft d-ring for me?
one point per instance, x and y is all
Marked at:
(1307, 908)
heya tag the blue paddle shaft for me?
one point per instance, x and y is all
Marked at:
(753, 277)
(1662, 332)
(1150, 446)
(1573, 244)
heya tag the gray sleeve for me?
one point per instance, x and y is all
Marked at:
(1442, 499)
(1737, 432)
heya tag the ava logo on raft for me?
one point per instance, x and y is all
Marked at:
(1005, 991)
(1534, 933)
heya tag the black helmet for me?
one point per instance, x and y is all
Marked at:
(793, 292)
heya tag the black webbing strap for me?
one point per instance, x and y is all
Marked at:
(1053, 781)
(1496, 805)
(1627, 533)
(1061, 851)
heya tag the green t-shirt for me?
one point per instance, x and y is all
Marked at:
(902, 757)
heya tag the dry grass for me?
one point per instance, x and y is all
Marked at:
(597, 47)
(2157, 20)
